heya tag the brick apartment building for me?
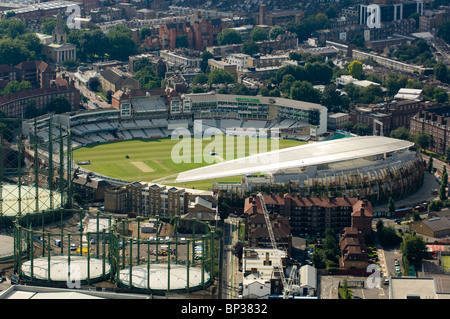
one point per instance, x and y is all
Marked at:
(435, 123)
(200, 33)
(14, 105)
(312, 216)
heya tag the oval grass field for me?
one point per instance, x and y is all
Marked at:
(154, 158)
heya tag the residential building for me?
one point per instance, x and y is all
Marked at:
(434, 123)
(91, 189)
(312, 216)
(148, 199)
(14, 104)
(336, 121)
(256, 229)
(261, 270)
(114, 79)
(383, 118)
(38, 73)
(116, 200)
(223, 65)
(353, 249)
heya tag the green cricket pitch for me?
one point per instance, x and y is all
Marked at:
(151, 159)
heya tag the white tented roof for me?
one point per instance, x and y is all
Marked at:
(298, 156)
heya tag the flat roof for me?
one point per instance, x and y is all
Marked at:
(207, 97)
(298, 156)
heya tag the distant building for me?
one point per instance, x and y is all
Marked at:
(337, 120)
(312, 216)
(59, 50)
(435, 124)
(437, 227)
(14, 104)
(353, 249)
(114, 79)
(148, 199)
(91, 189)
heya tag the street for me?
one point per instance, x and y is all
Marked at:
(231, 275)
(94, 101)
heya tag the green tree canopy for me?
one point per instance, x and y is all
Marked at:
(258, 34)
(59, 105)
(414, 249)
(304, 91)
(121, 43)
(229, 36)
(15, 87)
(275, 32)
(422, 139)
(355, 69)
(400, 133)
(250, 47)
(219, 76)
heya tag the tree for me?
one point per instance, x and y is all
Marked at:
(229, 36)
(443, 191)
(400, 133)
(219, 76)
(391, 205)
(94, 84)
(355, 69)
(332, 98)
(201, 78)
(304, 91)
(447, 153)
(414, 249)
(240, 89)
(15, 87)
(12, 28)
(250, 47)
(59, 105)
(444, 31)
(422, 139)
(13, 52)
(145, 32)
(31, 110)
(121, 43)
(441, 72)
(258, 34)
(182, 41)
(331, 12)
(275, 32)
(206, 55)
(147, 78)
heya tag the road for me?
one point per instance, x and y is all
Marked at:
(91, 96)
(231, 275)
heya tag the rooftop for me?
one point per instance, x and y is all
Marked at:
(299, 156)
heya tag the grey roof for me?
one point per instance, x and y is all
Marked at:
(437, 223)
(298, 156)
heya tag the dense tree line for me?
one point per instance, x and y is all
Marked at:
(17, 43)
